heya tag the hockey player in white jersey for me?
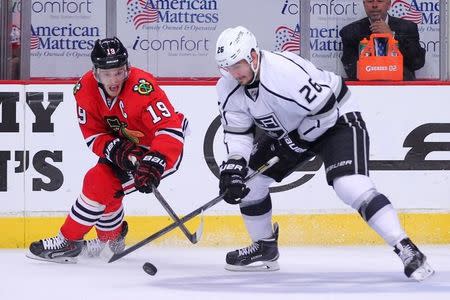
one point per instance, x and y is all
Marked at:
(303, 111)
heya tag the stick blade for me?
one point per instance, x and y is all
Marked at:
(115, 257)
(198, 234)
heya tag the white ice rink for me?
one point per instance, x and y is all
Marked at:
(346, 273)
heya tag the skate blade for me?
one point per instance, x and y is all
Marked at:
(423, 272)
(58, 260)
(261, 266)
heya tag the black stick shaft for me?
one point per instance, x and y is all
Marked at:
(189, 216)
(167, 229)
(192, 237)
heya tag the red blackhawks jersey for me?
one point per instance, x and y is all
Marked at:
(141, 113)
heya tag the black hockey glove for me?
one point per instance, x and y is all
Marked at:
(149, 170)
(119, 152)
(232, 174)
(292, 145)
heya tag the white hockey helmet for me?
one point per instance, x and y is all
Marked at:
(235, 44)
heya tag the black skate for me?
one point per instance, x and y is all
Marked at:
(95, 247)
(262, 255)
(415, 262)
(56, 249)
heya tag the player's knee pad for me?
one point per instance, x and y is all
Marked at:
(353, 189)
(257, 207)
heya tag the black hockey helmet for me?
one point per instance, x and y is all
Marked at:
(109, 53)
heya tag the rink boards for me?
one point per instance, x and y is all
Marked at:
(43, 159)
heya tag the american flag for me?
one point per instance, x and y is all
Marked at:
(34, 42)
(403, 9)
(140, 12)
(287, 39)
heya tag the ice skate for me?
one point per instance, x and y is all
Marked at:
(56, 249)
(92, 248)
(260, 256)
(415, 262)
(96, 248)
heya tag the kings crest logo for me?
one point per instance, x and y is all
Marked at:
(143, 87)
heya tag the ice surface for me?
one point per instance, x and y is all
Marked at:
(193, 272)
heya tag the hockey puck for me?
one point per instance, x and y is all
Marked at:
(149, 268)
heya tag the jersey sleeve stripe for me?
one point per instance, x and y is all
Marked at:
(176, 134)
(326, 107)
(175, 131)
(175, 167)
(185, 124)
(236, 130)
(90, 140)
(342, 92)
(128, 186)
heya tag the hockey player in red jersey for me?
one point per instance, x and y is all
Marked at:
(127, 120)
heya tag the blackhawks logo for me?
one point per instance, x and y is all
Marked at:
(143, 87)
(77, 87)
(120, 128)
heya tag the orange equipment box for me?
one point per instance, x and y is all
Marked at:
(370, 66)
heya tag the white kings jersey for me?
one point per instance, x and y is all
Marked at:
(291, 94)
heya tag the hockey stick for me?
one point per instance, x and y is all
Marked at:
(189, 216)
(193, 237)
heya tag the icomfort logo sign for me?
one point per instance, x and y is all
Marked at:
(62, 7)
(144, 12)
